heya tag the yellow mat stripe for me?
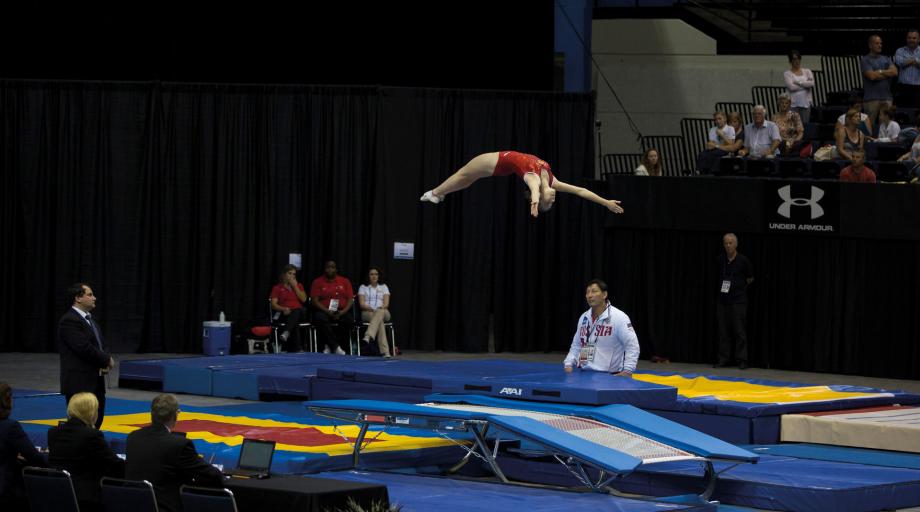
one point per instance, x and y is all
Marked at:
(746, 391)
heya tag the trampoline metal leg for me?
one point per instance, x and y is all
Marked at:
(358, 442)
(481, 442)
(710, 477)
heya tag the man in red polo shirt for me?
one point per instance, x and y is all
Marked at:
(287, 298)
(857, 172)
(332, 296)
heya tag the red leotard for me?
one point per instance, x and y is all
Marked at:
(512, 162)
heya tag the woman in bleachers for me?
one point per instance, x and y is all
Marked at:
(865, 123)
(720, 141)
(790, 126)
(888, 128)
(734, 120)
(799, 83)
(651, 164)
(849, 137)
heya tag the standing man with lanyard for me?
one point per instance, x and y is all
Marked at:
(735, 274)
(84, 361)
(604, 340)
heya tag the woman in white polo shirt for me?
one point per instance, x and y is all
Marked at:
(374, 301)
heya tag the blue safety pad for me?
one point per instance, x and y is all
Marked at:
(414, 493)
(394, 408)
(581, 387)
(283, 374)
(330, 389)
(731, 429)
(624, 416)
(513, 379)
(290, 375)
(840, 454)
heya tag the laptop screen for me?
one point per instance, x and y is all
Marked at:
(256, 454)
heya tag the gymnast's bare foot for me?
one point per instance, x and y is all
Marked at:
(431, 197)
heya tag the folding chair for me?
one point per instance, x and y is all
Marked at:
(304, 324)
(49, 490)
(207, 499)
(133, 495)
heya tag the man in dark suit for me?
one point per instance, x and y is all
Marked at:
(84, 361)
(165, 459)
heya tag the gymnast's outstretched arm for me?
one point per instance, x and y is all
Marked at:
(611, 204)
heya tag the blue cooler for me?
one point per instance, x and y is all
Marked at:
(215, 338)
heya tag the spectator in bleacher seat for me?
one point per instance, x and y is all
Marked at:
(907, 59)
(761, 137)
(857, 172)
(799, 82)
(909, 131)
(720, 142)
(734, 120)
(651, 164)
(911, 159)
(888, 128)
(877, 71)
(849, 138)
(790, 126)
(856, 103)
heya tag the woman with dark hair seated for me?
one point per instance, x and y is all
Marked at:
(76, 446)
(15, 448)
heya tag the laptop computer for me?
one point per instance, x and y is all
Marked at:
(255, 459)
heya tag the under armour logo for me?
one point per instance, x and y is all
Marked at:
(789, 201)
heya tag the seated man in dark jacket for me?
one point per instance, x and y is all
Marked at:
(79, 448)
(14, 443)
(154, 453)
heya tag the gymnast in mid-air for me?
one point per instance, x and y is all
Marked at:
(535, 172)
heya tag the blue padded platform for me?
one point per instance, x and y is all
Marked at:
(242, 376)
(423, 493)
(496, 378)
(292, 378)
(774, 483)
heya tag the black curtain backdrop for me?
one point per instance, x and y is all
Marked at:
(177, 201)
(817, 304)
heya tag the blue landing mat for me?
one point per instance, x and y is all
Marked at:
(774, 483)
(420, 493)
(840, 454)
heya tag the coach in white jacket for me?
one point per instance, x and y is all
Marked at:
(605, 340)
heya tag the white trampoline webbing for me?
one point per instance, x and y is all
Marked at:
(609, 436)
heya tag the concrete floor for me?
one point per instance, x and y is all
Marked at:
(40, 371)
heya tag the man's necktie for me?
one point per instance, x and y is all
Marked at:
(89, 318)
